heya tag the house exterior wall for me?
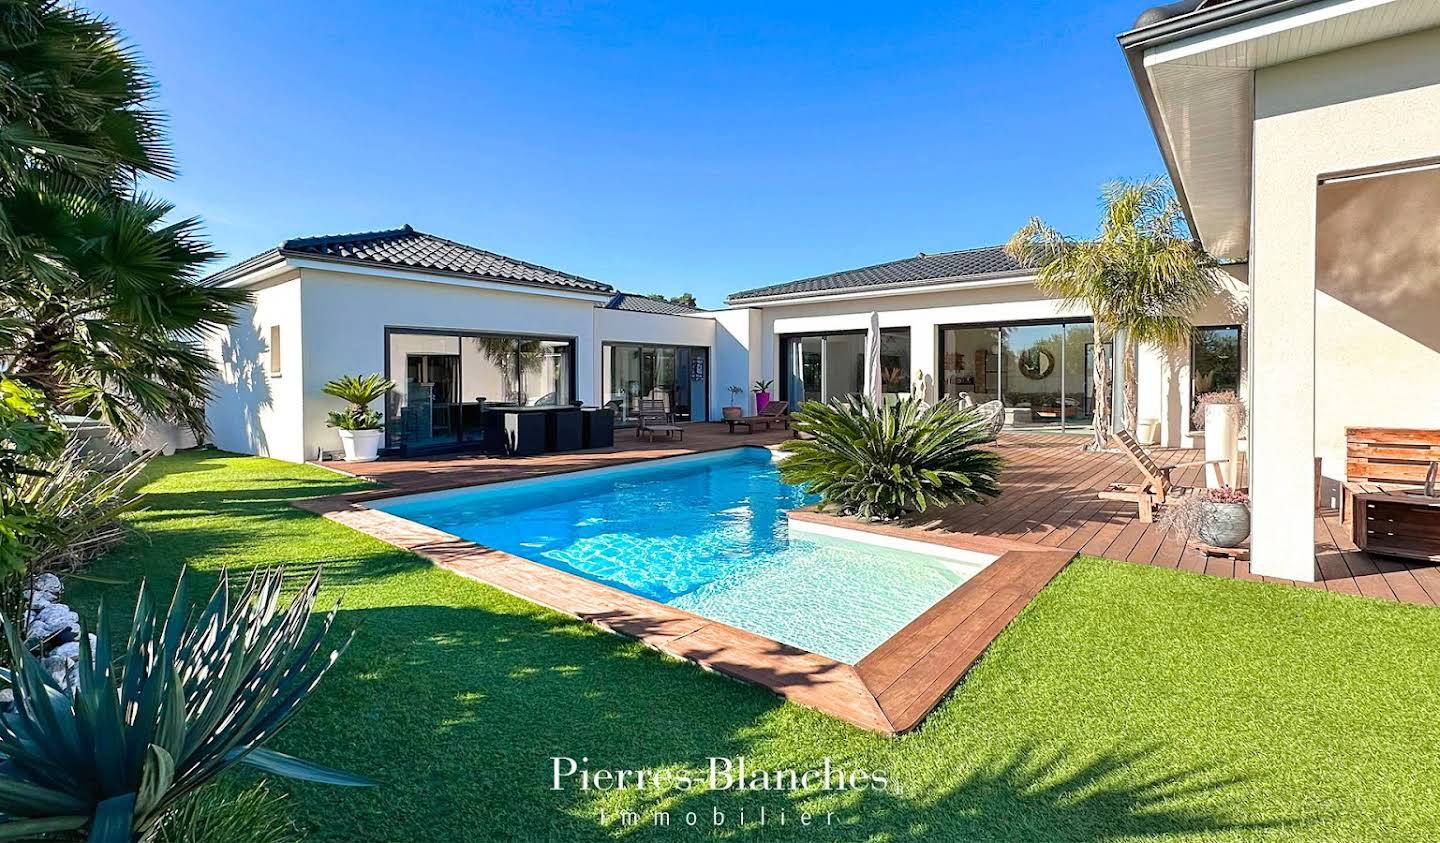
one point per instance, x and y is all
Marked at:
(1364, 107)
(1163, 376)
(922, 313)
(737, 356)
(251, 410)
(345, 316)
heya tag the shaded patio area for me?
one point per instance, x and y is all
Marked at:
(1050, 500)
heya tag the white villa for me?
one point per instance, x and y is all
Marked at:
(1303, 139)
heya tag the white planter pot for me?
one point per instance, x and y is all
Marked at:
(360, 445)
(1222, 442)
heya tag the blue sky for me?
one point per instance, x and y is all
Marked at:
(660, 147)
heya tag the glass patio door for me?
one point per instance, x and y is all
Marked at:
(1043, 373)
(664, 373)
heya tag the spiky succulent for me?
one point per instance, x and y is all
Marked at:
(184, 702)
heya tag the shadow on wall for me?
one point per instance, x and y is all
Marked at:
(241, 390)
(1377, 251)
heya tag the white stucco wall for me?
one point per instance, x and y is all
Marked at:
(252, 411)
(1163, 377)
(345, 317)
(737, 355)
(1364, 107)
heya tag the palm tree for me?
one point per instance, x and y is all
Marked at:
(103, 309)
(1143, 277)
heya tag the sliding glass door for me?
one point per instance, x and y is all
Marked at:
(677, 375)
(1041, 372)
(444, 380)
(819, 367)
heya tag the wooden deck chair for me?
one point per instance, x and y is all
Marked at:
(654, 416)
(774, 413)
(1156, 488)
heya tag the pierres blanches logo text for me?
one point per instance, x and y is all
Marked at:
(718, 774)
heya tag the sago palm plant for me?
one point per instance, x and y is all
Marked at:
(359, 393)
(110, 756)
(882, 462)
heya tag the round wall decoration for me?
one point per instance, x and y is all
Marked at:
(1035, 363)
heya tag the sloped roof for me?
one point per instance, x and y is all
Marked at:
(645, 304)
(406, 248)
(969, 264)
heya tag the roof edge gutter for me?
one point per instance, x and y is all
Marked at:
(1136, 41)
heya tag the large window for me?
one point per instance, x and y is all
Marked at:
(444, 380)
(1214, 361)
(1041, 372)
(818, 367)
(677, 375)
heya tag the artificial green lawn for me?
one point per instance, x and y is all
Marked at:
(1126, 703)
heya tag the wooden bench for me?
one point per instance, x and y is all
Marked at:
(1381, 496)
(1381, 459)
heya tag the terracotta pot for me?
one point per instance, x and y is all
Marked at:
(1225, 524)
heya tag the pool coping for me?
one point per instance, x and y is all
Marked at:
(889, 691)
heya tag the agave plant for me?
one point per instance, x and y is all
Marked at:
(879, 463)
(359, 392)
(184, 703)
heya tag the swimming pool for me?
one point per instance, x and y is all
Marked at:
(708, 534)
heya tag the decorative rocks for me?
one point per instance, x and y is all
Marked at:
(50, 621)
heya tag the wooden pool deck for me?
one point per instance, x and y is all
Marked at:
(1049, 512)
(1050, 500)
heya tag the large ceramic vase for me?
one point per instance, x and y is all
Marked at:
(360, 445)
(1225, 524)
(1222, 442)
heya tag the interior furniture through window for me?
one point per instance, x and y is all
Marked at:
(677, 375)
(1040, 371)
(818, 367)
(445, 381)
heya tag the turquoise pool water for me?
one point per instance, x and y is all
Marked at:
(707, 534)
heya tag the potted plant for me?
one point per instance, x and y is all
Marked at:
(359, 426)
(1218, 517)
(734, 410)
(762, 394)
(1220, 416)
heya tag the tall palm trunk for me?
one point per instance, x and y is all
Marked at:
(1131, 386)
(1101, 439)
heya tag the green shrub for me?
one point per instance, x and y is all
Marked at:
(216, 814)
(184, 703)
(879, 463)
(29, 433)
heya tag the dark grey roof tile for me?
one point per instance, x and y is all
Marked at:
(923, 268)
(645, 304)
(406, 248)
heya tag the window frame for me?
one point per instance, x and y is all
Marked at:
(274, 369)
(1241, 357)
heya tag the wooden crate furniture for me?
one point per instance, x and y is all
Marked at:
(1379, 459)
(1156, 487)
(1401, 522)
